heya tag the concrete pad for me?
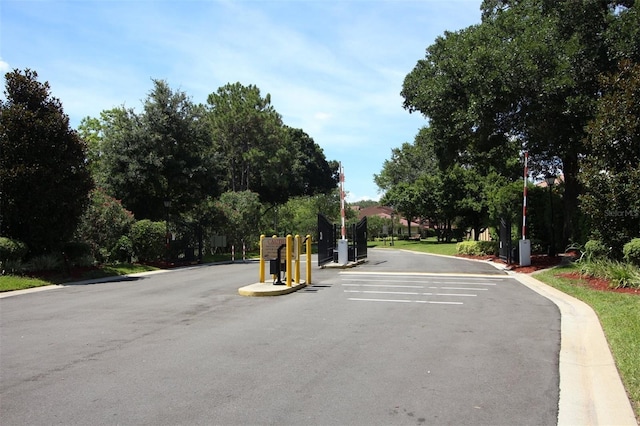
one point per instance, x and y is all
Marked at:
(335, 265)
(269, 289)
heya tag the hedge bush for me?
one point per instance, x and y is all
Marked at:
(123, 250)
(477, 248)
(103, 223)
(12, 250)
(595, 249)
(148, 240)
(631, 251)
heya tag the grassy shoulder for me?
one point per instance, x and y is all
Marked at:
(618, 314)
(15, 282)
(425, 246)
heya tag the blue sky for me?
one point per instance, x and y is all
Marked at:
(334, 68)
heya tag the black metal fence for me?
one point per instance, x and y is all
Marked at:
(326, 240)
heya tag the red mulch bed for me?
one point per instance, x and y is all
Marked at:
(539, 262)
(597, 283)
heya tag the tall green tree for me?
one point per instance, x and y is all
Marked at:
(409, 162)
(240, 212)
(162, 154)
(315, 175)
(260, 153)
(528, 73)
(611, 174)
(248, 134)
(44, 180)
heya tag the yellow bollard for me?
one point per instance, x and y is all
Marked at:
(261, 260)
(288, 258)
(308, 260)
(297, 248)
(273, 276)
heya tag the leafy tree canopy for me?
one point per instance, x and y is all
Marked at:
(525, 78)
(611, 174)
(162, 154)
(44, 180)
(261, 154)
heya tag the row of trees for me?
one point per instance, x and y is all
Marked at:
(214, 168)
(557, 79)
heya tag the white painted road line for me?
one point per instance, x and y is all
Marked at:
(382, 292)
(401, 284)
(463, 288)
(385, 286)
(407, 293)
(368, 280)
(452, 294)
(406, 301)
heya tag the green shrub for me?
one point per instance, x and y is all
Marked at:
(148, 240)
(123, 250)
(631, 251)
(621, 275)
(12, 249)
(103, 223)
(477, 248)
(76, 250)
(45, 262)
(12, 267)
(595, 249)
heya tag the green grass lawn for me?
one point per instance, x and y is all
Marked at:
(12, 282)
(619, 315)
(425, 246)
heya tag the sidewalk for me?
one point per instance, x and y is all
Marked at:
(591, 391)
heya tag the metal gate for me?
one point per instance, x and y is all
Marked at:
(326, 240)
(505, 240)
(360, 240)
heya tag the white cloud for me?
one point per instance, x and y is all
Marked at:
(4, 66)
(333, 69)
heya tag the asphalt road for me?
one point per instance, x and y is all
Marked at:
(403, 339)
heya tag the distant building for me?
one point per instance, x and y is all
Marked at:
(386, 212)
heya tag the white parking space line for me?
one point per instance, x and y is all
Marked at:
(461, 283)
(382, 292)
(385, 286)
(402, 285)
(405, 293)
(383, 281)
(463, 288)
(406, 301)
(452, 294)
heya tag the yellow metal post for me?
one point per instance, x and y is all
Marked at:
(288, 259)
(273, 276)
(308, 282)
(298, 249)
(261, 260)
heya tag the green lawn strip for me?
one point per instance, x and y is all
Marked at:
(425, 246)
(11, 282)
(619, 315)
(14, 282)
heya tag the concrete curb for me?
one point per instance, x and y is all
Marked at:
(269, 289)
(591, 391)
(334, 265)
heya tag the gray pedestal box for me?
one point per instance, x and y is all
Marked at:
(343, 252)
(525, 252)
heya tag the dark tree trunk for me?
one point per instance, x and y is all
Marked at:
(570, 198)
